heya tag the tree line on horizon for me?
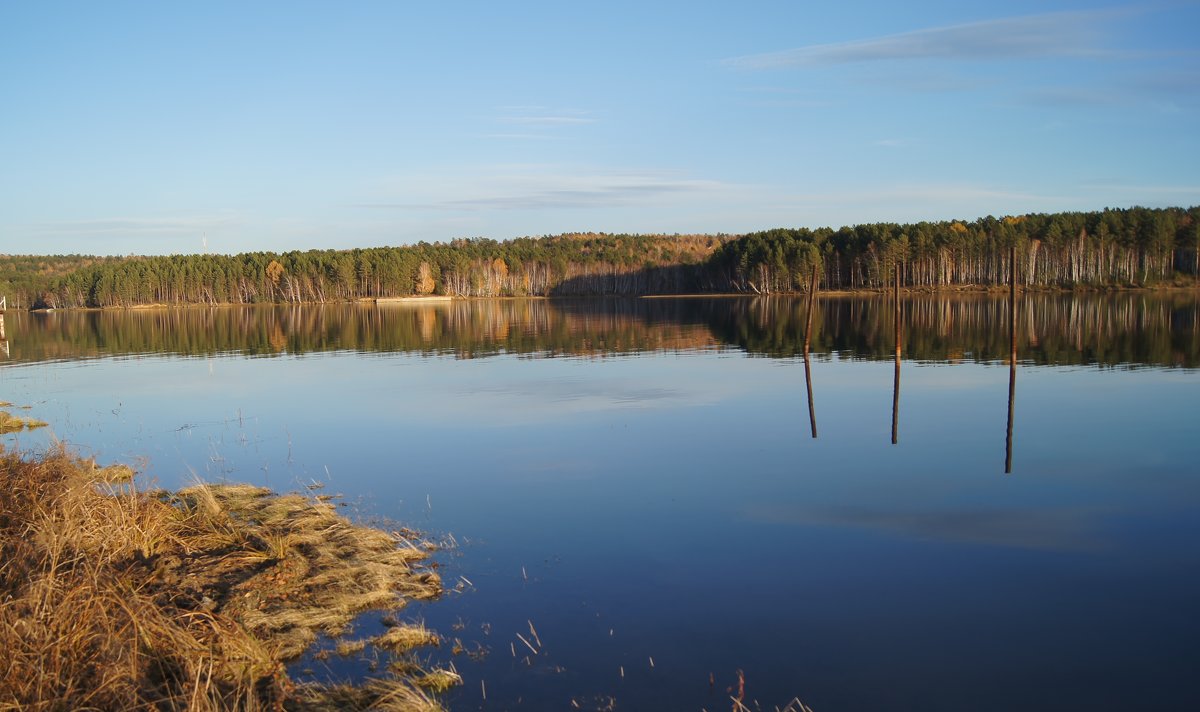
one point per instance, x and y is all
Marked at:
(1109, 248)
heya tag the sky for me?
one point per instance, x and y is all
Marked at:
(184, 127)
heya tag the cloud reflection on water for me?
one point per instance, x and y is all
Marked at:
(1070, 529)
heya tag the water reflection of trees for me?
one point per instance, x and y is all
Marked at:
(1123, 328)
(463, 329)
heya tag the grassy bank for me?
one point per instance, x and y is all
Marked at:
(116, 598)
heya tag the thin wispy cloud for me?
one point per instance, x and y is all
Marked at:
(791, 103)
(521, 136)
(926, 81)
(538, 188)
(546, 120)
(1059, 34)
(777, 96)
(769, 90)
(1176, 83)
(612, 195)
(543, 116)
(1071, 97)
(913, 202)
(925, 193)
(104, 227)
(1067, 529)
(1185, 193)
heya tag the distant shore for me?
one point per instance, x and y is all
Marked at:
(443, 299)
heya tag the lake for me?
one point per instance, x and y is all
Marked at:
(649, 485)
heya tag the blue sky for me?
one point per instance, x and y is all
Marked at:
(157, 128)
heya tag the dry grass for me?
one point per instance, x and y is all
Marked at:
(346, 648)
(383, 695)
(403, 638)
(10, 423)
(114, 598)
(438, 680)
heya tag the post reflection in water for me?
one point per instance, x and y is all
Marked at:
(812, 298)
(896, 380)
(1012, 356)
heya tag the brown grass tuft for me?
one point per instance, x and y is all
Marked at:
(115, 598)
(402, 638)
(10, 423)
(438, 680)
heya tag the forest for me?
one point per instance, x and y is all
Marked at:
(1132, 247)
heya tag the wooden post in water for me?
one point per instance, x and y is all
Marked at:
(896, 380)
(1012, 353)
(812, 298)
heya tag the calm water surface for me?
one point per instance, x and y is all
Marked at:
(640, 480)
